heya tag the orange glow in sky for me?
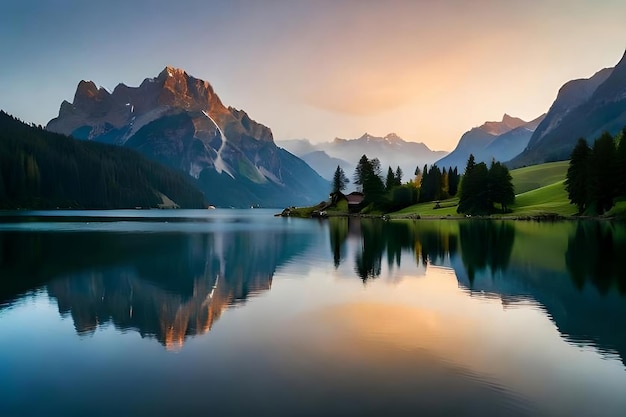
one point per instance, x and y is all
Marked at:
(428, 71)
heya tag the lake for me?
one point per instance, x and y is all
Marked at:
(239, 313)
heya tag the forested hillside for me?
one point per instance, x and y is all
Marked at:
(40, 169)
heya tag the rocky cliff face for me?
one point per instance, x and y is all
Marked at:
(180, 121)
(583, 108)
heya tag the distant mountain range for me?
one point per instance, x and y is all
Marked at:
(180, 121)
(501, 141)
(583, 108)
(391, 150)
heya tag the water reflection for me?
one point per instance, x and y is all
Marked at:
(595, 253)
(574, 271)
(482, 244)
(166, 286)
(170, 286)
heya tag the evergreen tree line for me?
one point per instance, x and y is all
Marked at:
(387, 195)
(436, 184)
(596, 176)
(391, 194)
(478, 189)
(483, 187)
(40, 169)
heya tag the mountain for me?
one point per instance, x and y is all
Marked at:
(326, 165)
(40, 169)
(391, 150)
(583, 108)
(297, 146)
(510, 144)
(165, 286)
(501, 141)
(319, 160)
(180, 121)
(498, 128)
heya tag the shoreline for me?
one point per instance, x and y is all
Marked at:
(546, 217)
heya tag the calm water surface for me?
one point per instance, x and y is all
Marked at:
(238, 313)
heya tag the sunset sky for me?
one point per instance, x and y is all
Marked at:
(318, 69)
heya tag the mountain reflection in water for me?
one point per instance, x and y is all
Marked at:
(170, 286)
(167, 286)
(349, 317)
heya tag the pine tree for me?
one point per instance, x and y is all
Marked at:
(576, 181)
(501, 185)
(359, 171)
(471, 163)
(399, 174)
(391, 180)
(453, 181)
(474, 196)
(418, 176)
(445, 183)
(620, 165)
(339, 180)
(367, 175)
(601, 173)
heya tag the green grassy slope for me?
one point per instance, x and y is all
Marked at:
(540, 190)
(549, 199)
(537, 176)
(448, 208)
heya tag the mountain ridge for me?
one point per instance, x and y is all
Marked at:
(390, 149)
(179, 120)
(583, 108)
(499, 140)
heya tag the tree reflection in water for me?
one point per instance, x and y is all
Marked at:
(482, 244)
(597, 253)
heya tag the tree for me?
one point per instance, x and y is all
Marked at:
(602, 180)
(471, 163)
(453, 181)
(576, 181)
(482, 187)
(367, 175)
(474, 196)
(501, 185)
(391, 180)
(430, 188)
(445, 184)
(339, 180)
(620, 164)
(359, 171)
(399, 174)
(418, 176)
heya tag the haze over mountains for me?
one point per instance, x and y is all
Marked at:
(180, 121)
(391, 150)
(583, 108)
(501, 141)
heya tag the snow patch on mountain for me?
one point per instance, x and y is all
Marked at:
(220, 165)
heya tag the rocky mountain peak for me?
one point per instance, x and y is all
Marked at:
(179, 120)
(498, 128)
(170, 71)
(393, 138)
(88, 91)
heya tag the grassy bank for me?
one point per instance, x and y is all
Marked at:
(540, 191)
(538, 176)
